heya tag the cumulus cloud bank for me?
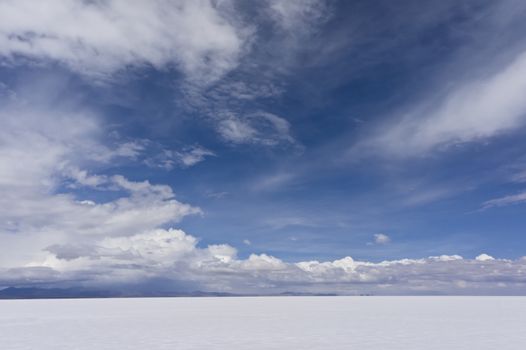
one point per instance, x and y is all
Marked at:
(174, 256)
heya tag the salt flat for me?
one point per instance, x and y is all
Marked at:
(265, 323)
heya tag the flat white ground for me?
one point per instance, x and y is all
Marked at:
(495, 323)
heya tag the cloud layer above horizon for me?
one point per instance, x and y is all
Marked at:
(129, 264)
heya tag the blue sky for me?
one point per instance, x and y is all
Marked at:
(263, 136)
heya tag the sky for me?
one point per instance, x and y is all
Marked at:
(263, 147)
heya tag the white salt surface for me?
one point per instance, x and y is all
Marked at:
(265, 323)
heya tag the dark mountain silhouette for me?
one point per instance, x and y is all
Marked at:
(65, 293)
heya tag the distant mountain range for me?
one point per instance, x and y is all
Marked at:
(52, 293)
(65, 293)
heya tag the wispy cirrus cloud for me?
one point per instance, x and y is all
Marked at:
(193, 155)
(473, 96)
(186, 157)
(290, 15)
(256, 128)
(475, 110)
(505, 201)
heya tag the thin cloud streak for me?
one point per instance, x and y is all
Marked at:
(505, 201)
(474, 111)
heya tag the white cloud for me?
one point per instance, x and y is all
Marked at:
(236, 130)
(222, 252)
(103, 37)
(42, 163)
(298, 15)
(245, 90)
(446, 257)
(216, 195)
(158, 246)
(128, 150)
(257, 128)
(194, 155)
(380, 238)
(519, 177)
(185, 158)
(474, 110)
(504, 201)
(484, 257)
(262, 263)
